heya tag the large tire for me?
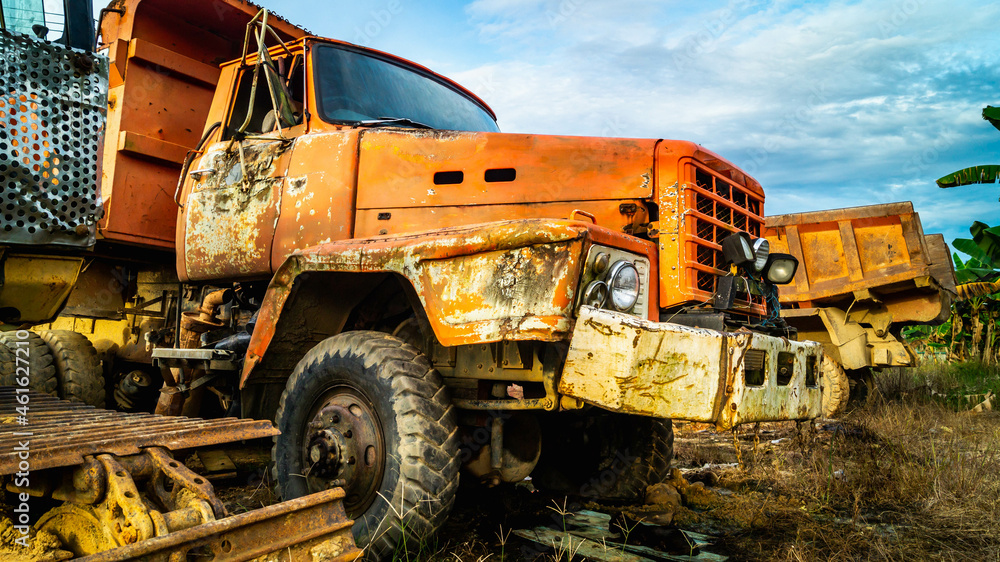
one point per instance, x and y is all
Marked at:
(863, 387)
(41, 369)
(836, 388)
(7, 367)
(372, 399)
(78, 368)
(603, 455)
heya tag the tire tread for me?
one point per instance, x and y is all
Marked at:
(78, 368)
(428, 434)
(42, 369)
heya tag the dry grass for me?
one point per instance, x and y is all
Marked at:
(910, 476)
(906, 477)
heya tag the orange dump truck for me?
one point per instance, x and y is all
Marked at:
(357, 253)
(866, 273)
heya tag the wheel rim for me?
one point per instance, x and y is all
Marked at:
(344, 446)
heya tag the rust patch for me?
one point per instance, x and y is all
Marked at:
(479, 283)
(231, 213)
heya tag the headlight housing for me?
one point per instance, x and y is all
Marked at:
(623, 285)
(780, 268)
(761, 250)
(615, 279)
(737, 249)
(596, 294)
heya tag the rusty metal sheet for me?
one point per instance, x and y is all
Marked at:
(305, 529)
(317, 203)
(511, 280)
(629, 365)
(165, 57)
(35, 288)
(373, 222)
(231, 211)
(63, 432)
(942, 267)
(397, 169)
(834, 215)
(53, 102)
(843, 251)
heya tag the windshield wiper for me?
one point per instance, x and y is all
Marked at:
(393, 121)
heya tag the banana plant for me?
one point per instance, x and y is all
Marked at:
(971, 332)
(984, 255)
(976, 174)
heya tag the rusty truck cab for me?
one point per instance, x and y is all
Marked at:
(292, 175)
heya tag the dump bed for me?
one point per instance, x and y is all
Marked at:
(165, 57)
(876, 251)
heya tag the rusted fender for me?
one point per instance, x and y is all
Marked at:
(514, 280)
(629, 365)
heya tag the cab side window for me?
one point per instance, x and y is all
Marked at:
(286, 78)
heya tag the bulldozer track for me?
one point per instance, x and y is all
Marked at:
(62, 433)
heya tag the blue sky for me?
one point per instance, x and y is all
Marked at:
(827, 104)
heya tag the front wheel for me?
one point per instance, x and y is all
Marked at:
(367, 412)
(603, 455)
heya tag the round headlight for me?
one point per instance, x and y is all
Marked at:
(596, 294)
(623, 285)
(761, 249)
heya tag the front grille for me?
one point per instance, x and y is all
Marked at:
(717, 206)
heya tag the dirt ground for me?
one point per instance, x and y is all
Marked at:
(889, 481)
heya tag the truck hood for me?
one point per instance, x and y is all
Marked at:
(478, 176)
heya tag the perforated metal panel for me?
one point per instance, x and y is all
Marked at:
(53, 106)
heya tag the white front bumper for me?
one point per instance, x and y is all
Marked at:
(625, 364)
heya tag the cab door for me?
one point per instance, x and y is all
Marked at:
(232, 208)
(234, 189)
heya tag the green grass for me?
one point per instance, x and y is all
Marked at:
(958, 386)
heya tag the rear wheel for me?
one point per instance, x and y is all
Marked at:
(604, 455)
(862, 383)
(78, 368)
(30, 352)
(836, 388)
(367, 412)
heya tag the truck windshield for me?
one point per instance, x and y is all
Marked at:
(354, 87)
